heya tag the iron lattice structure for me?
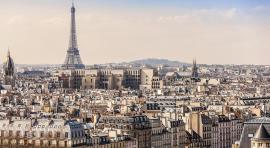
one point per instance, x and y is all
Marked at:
(73, 59)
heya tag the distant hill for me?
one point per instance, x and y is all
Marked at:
(156, 62)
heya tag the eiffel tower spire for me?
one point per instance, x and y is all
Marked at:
(73, 59)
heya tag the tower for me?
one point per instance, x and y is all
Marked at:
(8, 68)
(195, 74)
(73, 59)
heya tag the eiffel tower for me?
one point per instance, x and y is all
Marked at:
(73, 59)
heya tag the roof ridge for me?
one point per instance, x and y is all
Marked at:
(261, 133)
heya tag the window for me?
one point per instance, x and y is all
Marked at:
(250, 135)
(25, 133)
(66, 135)
(33, 134)
(41, 134)
(50, 134)
(18, 134)
(57, 134)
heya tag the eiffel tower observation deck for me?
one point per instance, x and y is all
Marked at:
(73, 59)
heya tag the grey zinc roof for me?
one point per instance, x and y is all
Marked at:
(205, 119)
(259, 120)
(250, 129)
(261, 133)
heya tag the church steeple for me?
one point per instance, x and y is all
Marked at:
(8, 53)
(195, 74)
(9, 70)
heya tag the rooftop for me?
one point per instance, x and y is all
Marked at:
(259, 120)
(261, 134)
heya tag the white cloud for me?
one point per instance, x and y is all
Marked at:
(261, 8)
(53, 21)
(200, 15)
(230, 13)
(17, 19)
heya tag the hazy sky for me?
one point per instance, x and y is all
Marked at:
(213, 31)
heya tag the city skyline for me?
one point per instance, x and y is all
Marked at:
(214, 33)
(135, 73)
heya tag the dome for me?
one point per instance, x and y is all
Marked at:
(261, 133)
(8, 66)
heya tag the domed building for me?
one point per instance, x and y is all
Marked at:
(8, 69)
(255, 133)
(261, 138)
